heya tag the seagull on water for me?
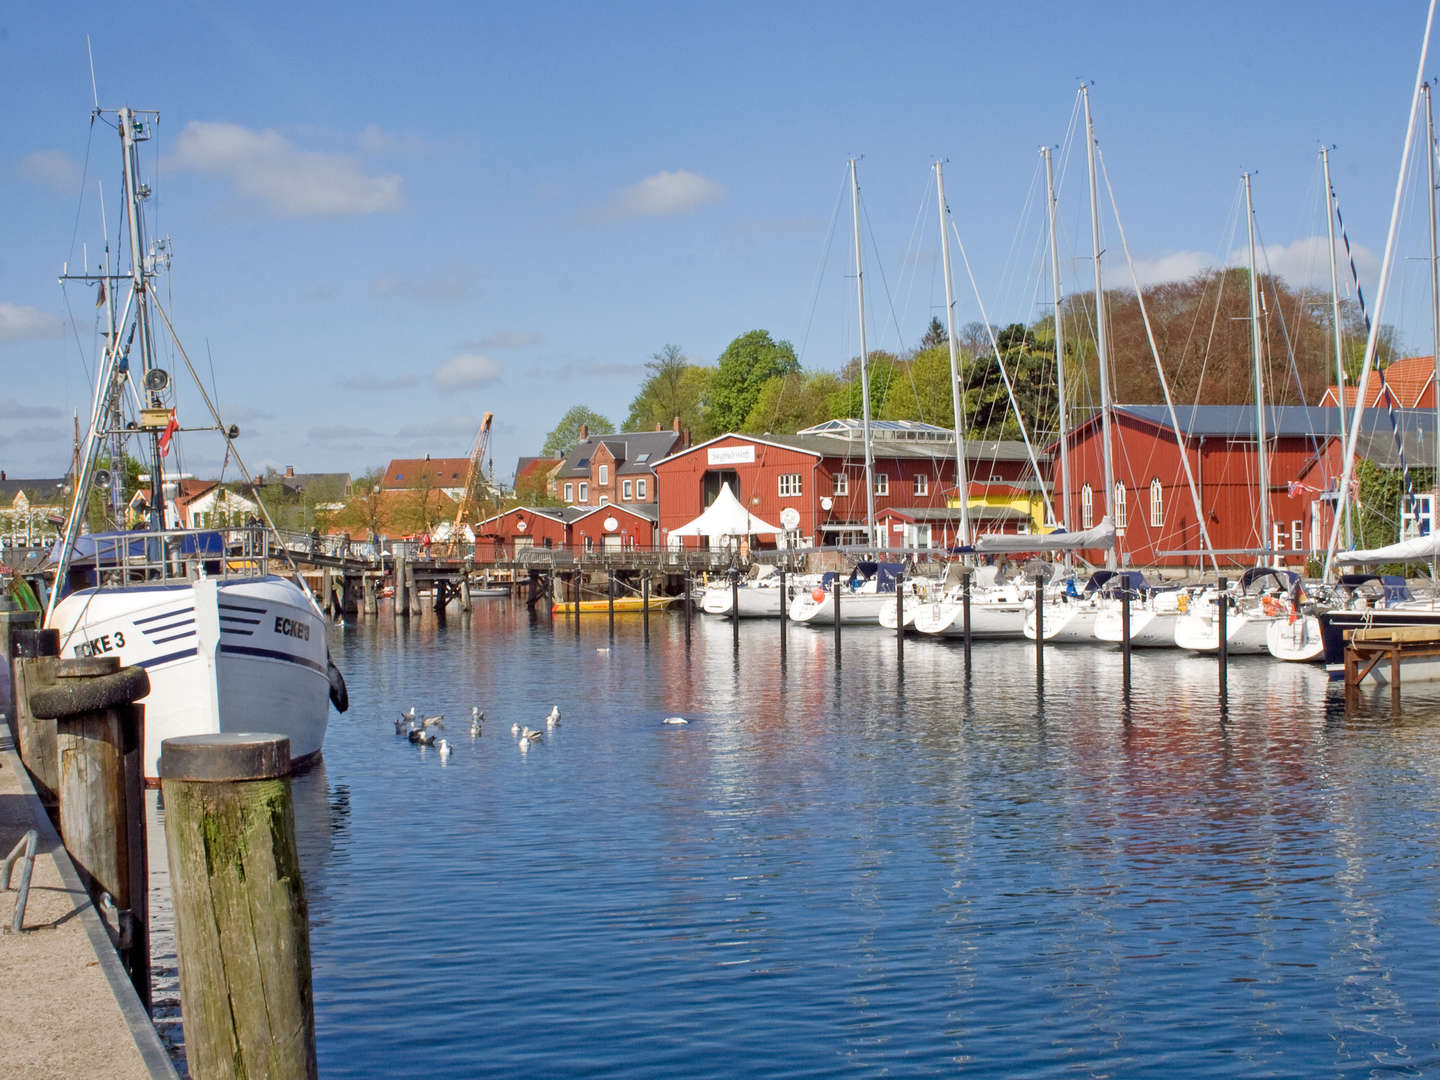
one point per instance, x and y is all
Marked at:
(421, 737)
(435, 721)
(477, 722)
(443, 745)
(675, 720)
(553, 719)
(515, 728)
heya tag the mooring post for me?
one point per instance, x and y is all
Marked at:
(1040, 627)
(645, 604)
(1223, 630)
(1125, 639)
(367, 592)
(465, 589)
(242, 929)
(610, 601)
(35, 653)
(401, 590)
(965, 611)
(11, 621)
(575, 579)
(689, 586)
(784, 612)
(102, 792)
(327, 591)
(413, 584)
(900, 623)
(835, 591)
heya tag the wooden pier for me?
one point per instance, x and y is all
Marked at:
(1366, 648)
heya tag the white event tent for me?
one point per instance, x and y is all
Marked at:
(725, 517)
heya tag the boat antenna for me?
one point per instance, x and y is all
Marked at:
(94, 93)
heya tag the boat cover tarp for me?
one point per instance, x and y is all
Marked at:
(113, 547)
(1279, 578)
(726, 516)
(1417, 549)
(1101, 537)
(1394, 589)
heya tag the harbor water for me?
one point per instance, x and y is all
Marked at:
(854, 872)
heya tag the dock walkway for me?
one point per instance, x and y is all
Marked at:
(66, 1006)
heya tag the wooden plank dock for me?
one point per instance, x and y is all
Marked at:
(1366, 648)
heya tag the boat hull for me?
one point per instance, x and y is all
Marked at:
(754, 603)
(1245, 634)
(1299, 641)
(1066, 624)
(623, 606)
(1333, 625)
(228, 656)
(1148, 629)
(857, 608)
(988, 619)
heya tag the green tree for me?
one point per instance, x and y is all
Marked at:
(567, 433)
(923, 392)
(885, 371)
(744, 367)
(788, 403)
(935, 335)
(674, 387)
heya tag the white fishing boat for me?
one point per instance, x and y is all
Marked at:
(227, 645)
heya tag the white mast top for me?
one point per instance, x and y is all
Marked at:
(1064, 425)
(1262, 463)
(864, 364)
(1102, 352)
(962, 484)
(1343, 504)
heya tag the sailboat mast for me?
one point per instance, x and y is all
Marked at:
(1262, 464)
(1064, 425)
(1434, 309)
(962, 483)
(1102, 353)
(1342, 503)
(129, 127)
(864, 364)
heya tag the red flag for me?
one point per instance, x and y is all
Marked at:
(168, 434)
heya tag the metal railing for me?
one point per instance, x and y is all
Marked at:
(117, 559)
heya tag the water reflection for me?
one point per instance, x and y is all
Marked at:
(850, 868)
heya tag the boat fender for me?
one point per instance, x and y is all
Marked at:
(1183, 602)
(339, 694)
(817, 594)
(1269, 606)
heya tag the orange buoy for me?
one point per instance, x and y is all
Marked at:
(818, 595)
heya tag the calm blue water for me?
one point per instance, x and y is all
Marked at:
(853, 874)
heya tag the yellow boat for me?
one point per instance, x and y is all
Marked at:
(624, 605)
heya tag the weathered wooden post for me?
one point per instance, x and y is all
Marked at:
(413, 586)
(965, 611)
(645, 603)
(784, 613)
(10, 621)
(242, 926)
(1040, 627)
(370, 603)
(465, 589)
(610, 600)
(402, 588)
(735, 608)
(689, 586)
(35, 652)
(835, 590)
(900, 623)
(102, 789)
(349, 589)
(1222, 628)
(327, 591)
(1125, 639)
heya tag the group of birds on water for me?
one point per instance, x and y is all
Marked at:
(422, 730)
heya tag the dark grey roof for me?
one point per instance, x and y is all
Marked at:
(884, 450)
(42, 491)
(649, 511)
(1238, 421)
(629, 448)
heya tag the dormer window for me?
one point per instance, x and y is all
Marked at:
(602, 474)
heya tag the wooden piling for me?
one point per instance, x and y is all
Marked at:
(735, 608)
(102, 789)
(241, 921)
(1125, 640)
(784, 613)
(401, 589)
(1040, 627)
(645, 603)
(11, 621)
(835, 591)
(464, 590)
(610, 600)
(371, 603)
(35, 653)
(689, 587)
(327, 591)
(414, 589)
(1222, 653)
(965, 611)
(900, 623)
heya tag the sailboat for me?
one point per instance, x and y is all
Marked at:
(228, 646)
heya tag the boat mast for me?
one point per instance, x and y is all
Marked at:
(1059, 347)
(962, 485)
(1342, 502)
(1434, 313)
(864, 365)
(131, 132)
(1102, 355)
(1261, 463)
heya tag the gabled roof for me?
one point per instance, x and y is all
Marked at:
(423, 472)
(554, 513)
(634, 451)
(828, 446)
(35, 490)
(646, 511)
(1410, 382)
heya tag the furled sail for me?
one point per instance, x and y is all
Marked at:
(1101, 537)
(1417, 549)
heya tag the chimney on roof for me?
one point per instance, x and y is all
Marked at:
(289, 472)
(657, 425)
(675, 424)
(584, 432)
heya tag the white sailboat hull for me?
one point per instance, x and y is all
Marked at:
(1149, 629)
(863, 608)
(222, 656)
(1066, 623)
(755, 603)
(988, 619)
(1246, 634)
(1299, 641)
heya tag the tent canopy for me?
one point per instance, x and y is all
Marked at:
(726, 516)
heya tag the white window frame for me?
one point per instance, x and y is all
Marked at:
(589, 543)
(922, 485)
(584, 493)
(640, 489)
(789, 485)
(1121, 513)
(882, 483)
(604, 500)
(1087, 507)
(627, 490)
(1297, 535)
(602, 475)
(1157, 503)
(569, 491)
(842, 483)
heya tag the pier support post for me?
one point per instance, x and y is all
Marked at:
(610, 600)
(413, 588)
(367, 594)
(735, 608)
(465, 590)
(402, 589)
(1222, 629)
(689, 587)
(965, 611)
(1040, 627)
(241, 923)
(11, 621)
(645, 603)
(102, 792)
(1125, 640)
(835, 590)
(327, 591)
(900, 623)
(349, 588)
(35, 653)
(784, 613)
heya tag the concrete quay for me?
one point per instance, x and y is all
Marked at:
(67, 1008)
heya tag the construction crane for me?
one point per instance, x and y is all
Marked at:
(474, 477)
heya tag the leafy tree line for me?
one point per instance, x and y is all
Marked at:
(1202, 334)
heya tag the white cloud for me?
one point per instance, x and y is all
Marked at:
(20, 322)
(53, 168)
(290, 180)
(666, 194)
(1305, 264)
(467, 369)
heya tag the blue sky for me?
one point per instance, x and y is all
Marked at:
(389, 219)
